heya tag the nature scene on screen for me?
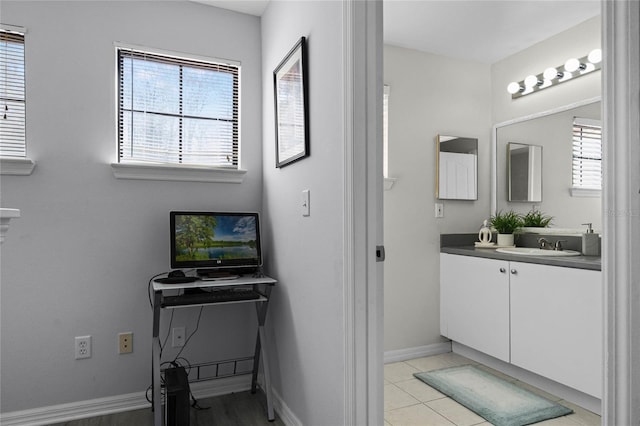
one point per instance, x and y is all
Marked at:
(201, 237)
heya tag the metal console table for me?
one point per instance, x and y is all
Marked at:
(260, 285)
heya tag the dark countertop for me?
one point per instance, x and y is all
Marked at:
(580, 262)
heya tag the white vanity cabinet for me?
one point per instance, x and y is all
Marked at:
(545, 319)
(556, 324)
(474, 303)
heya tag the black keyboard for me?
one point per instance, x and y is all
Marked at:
(213, 296)
(176, 280)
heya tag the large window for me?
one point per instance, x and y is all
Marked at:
(12, 94)
(587, 155)
(174, 110)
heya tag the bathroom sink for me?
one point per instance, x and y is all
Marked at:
(529, 251)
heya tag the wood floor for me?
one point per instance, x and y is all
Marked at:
(236, 409)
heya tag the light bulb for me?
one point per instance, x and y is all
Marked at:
(531, 81)
(514, 88)
(551, 73)
(573, 65)
(595, 56)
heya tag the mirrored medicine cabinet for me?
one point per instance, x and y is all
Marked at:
(525, 172)
(456, 168)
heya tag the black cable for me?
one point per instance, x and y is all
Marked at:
(191, 335)
(164, 344)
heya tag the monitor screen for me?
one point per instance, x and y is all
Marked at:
(215, 240)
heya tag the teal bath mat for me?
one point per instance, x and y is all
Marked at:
(498, 401)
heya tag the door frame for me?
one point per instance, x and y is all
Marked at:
(621, 211)
(363, 221)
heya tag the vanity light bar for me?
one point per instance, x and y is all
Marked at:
(572, 69)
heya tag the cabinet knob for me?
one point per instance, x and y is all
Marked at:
(514, 271)
(503, 270)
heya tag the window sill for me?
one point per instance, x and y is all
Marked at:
(585, 193)
(16, 166)
(176, 173)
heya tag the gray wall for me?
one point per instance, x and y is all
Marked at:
(78, 260)
(429, 94)
(306, 313)
(574, 42)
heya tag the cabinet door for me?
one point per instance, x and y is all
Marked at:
(475, 303)
(556, 324)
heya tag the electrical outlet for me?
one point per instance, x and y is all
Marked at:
(177, 337)
(83, 347)
(125, 343)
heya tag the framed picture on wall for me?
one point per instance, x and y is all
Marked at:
(291, 111)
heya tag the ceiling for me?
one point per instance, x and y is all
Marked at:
(479, 30)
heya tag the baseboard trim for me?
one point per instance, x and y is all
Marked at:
(416, 352)
(116, 404)
(284, 412)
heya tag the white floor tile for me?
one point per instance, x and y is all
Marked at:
(398, 371)
(416, 415)
(456, 413)
(581, 416)
(559, 421)
(394, 397)
(419, 390)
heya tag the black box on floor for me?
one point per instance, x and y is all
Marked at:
(177, 391)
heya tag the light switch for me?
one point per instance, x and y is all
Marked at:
(306, 208)
(439, 211)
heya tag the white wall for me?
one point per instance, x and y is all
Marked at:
(553, 52)
(306, 317)
(78, 260)
(430, 94)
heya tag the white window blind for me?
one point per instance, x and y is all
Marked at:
(173, 110)
(12, 95)
(587, 154)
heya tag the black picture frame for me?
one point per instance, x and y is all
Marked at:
(291, 106)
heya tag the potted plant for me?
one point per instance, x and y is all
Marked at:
(536, 219)
(505, 225)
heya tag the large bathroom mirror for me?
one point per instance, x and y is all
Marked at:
(524, 164)
(456, 168)
(553, 132)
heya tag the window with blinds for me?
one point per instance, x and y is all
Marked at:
(173, 110)
(587, 154)
(12, 95)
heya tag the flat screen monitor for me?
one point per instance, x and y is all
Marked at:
(212, 240)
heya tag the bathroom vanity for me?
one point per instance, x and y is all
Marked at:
(543, 314)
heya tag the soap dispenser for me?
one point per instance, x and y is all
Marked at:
(590, 242)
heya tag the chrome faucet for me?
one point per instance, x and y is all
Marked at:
(548, 245)
(545, 244)
(558, 245)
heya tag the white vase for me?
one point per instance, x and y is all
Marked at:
(505, 239)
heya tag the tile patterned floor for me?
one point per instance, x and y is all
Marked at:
(409, 401)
